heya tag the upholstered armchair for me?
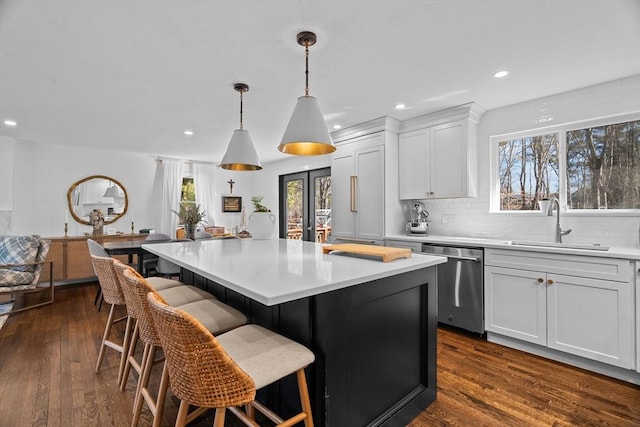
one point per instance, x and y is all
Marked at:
(22, 260)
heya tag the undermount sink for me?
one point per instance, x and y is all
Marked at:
(587, 246)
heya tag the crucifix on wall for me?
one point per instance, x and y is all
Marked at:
(231, 182)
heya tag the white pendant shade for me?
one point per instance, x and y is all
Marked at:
(241, 154)
(307, 133)
(113, 191)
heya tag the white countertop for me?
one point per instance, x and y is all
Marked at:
(612, 252)
(279, 270)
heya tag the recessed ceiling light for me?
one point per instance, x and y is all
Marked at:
(501, 74)
(9, 122)
(188, 132)
(336, 127)
(400, 106)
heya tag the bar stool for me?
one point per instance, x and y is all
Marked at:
(175, 292)
(112, 294)
(215, 315)
(182, 294)
(225, 371)
(110, 285)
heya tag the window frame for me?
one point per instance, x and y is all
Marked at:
(561, 129)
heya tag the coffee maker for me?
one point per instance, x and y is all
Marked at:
(418, 223)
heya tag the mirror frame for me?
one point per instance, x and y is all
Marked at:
(83, 180)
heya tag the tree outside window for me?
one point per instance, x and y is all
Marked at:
(601, 169)
(188, 194)
(528, 170)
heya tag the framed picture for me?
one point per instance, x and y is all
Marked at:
(231, 204)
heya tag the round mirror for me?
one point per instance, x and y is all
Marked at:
(97, 192)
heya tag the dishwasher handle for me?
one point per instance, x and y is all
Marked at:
(461, 254)
(463, 258)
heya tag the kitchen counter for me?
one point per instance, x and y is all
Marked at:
(612, 252)
(276, 271)
(362, 318)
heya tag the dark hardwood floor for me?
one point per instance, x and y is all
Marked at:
(47, 358)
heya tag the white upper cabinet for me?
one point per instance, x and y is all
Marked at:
(437, 155)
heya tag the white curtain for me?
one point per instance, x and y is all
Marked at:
(171, 176)
(203, 179)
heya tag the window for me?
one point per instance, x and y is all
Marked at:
(590, 166)
(187, 198)
(528, 170)
(603, 167)
(188, 195)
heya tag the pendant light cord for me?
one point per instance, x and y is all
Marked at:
(306, 72)
(241, 93)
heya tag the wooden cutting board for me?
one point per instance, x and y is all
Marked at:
(385, 252)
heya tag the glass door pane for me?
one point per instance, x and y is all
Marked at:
(294, 212)
(322, 208)
(305, 201)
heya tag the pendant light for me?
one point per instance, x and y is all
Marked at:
(241, 154)
(113, 191)
(306, 133)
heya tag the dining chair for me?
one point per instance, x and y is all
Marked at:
(224, 371)
(96, 249)
(150, 261)
(215, 315)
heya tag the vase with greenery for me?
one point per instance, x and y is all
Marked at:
(257, 204)
(261, 221)
(190, 216)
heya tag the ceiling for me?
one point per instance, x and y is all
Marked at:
(132, 75)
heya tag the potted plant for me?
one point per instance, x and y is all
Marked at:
(190, 216)
(261, 221)
(257, 204)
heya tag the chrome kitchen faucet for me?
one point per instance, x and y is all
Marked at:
(559, 231)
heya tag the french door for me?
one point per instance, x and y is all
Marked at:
(305, 205)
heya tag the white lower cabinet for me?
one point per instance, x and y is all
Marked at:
(591, 317)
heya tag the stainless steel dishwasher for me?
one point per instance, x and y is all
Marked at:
(460, 286)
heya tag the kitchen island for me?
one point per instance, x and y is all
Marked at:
(370, 324)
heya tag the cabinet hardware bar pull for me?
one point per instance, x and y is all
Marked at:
(352, 193)
(549, 282)
(540, 280)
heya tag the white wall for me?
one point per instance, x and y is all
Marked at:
(7, 148)
(472, 217)
(43, 173)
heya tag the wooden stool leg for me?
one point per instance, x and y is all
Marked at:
(218, 421)
(145, 354)
(130, 358)
(143, 382)
(125, 348)
(183, 411)
(107, 331)
(250, 411)
(304, 397)
(162, 396)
